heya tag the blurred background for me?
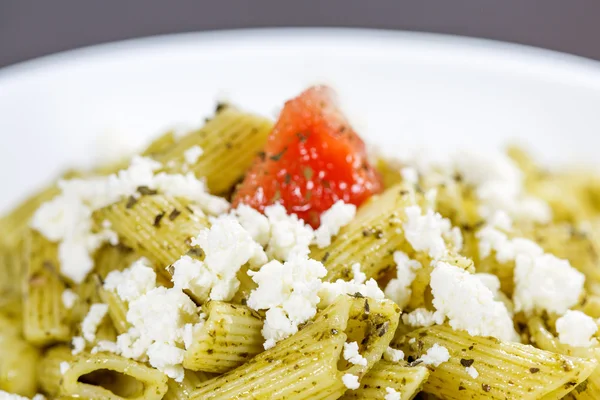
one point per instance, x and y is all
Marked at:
(30, 28)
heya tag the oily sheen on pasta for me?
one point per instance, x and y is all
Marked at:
(259, 259)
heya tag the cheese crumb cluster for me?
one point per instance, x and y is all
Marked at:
(576, 329)
(435, 356)
(351, 381)
(161, 319)
(352, 355)
(67, 218)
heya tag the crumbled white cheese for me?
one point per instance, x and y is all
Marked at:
(67, 217)
(331, 290)
(290, 236)
(92, 320)
(254, 222)
(435, 356)
(68, 298)
(393, 355)
(289, 293)
(426, 232)
(576, 329)
(38, 397)
(421, 317)
(499, 186)
(352, 355)
(506, 249)
(473, 373)
(158, 320)
(64, 367)
(391, 394)
(132, 282)
(468, 304)
(357, 275)
(227, 247)
(546, 283)
(409, 175)
(339, 215)
(77, 345)
(490, 281)
(192, 154)
(399, 288)
(351, 381)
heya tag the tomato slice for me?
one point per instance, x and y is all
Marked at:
(312, 159)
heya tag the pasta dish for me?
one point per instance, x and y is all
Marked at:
(251, 259)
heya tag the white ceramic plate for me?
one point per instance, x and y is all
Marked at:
(400, 89)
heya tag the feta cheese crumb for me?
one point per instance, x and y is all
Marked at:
(469, 304)
(78, 345)
(546, 283)
(435, 356)
(92, 320)
(473, 373)
(331, 290)
(399, 288)
(64, 367)
(227, 247)
(69, 298)
(421, 317)
(393, 355)
(426, 232)
(339, 215)
(192, 154)
(391, 394)
(132, 282)
(289, 235)
(351, 381)
(352, 355)
(576, 329)
(255, 223)
(38, 397)
(289, 293)
(357, 275)
(490, 281)
(158, 320)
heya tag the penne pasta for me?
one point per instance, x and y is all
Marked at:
(305, 365)
(18, 360)
(230, 336)
(111, 377)
(158, 227)
(182, 390)
(117, 308)
(371, 238)
(505, 370)
(51, 367)
(404, 380)
(229, 142)
(45, 319)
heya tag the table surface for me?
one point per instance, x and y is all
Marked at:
(29, 28)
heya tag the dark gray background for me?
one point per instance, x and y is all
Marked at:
(33, 28)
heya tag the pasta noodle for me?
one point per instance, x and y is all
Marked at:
(45, 319)
(505, 370)
(404, 380)
(157, 227)
(230, 336)
(111, 377)
(229, 141)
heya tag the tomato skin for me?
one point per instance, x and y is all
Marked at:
(312, 159)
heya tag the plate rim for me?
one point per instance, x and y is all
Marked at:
(516, 53)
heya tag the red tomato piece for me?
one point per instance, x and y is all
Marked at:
(312, 159)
